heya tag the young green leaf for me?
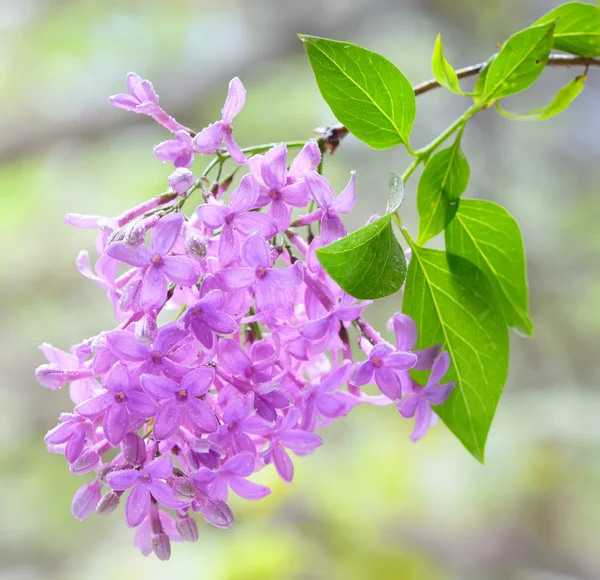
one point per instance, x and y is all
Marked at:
(451, 302)
(520, 62)
(487, 235)
(443, 181)
(442, 69)
(368, 263)
(577, 28)
(365, 91)
(561, 102)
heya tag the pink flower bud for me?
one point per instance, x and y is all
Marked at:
(134, 449)
(188, 528)
(51, 376)
(161, 545)
(217, 513)
(181, 180)
(146, 329)
(135, 233)
(86, 499)
(108, 503)
(196, 246)
(86, 462)
(183, 489)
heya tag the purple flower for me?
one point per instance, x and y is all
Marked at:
(272, 285)
(181, 402)
(277, 187)
(146, 482)
(181, 180)
(156, 264)
(418, 404)
(177, 151)
(118, 405)
(257, 368)
(142, 97)
(145, 537)
(287, 436)
(209, 140)
(332, 227)
(383, 364)
(205, 318)
(232, 433)
(232, 473)
(161, 356)
(237, 218)
(73, 431)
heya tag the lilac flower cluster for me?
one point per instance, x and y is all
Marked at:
(251, 354)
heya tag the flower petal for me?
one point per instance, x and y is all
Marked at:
(116, 422)
(250, 222)
(137, 506)
(439, 369)
(117, 378)
(182, 270)
(124, 345)
(139, 256)
(319, 189)
(159, 468)
(163, 494)
(236, 278)
(96, 406)
(167, 420)
(295, 194)
(198, 381)
(200, 416)
(244, 196)
(290, 277)
(309, 158)
(165, 233)
(345, 201)
(332, 228)
(274, 168)
(315, 329)
(154, 289)
(235, 101)
(363, 373)
(209, 139)
(229, 246)
(423, 418)
(438, 394)
(401, 361)
(283, 464)
(300, 441)
(255, 252)
(220, 322)
(388, 382)
(168, 151)
(241, 464)
(158, 387)
(247, 489)
(234, 149)
(141, 405)
(123, 479)
(213, 214)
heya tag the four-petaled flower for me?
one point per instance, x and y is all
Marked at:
(418, 404)
(178, 151)
(181, 402)
(118, 405)
(142, 97)
(146, 482)
(157, 265)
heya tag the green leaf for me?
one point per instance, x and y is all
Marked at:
(443, 181)
(368, 263)
(487, 235)
(442, 69)
(452, 303)
(396, 192)
(577, 28)
(561, 102)
(365, 91)
(520, 62)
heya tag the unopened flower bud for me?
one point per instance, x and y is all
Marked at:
(196, 246)
(86, 462)
(161, 545)
(217, 513)
(134, 449)
(146, 329)
(53, 377)
(183, 488)
(188, 528)
(181, 180)
(135, 232)
(108, 503)
(85, 500)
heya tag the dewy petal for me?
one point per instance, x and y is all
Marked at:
(123, 479)
(388, 382)
(281, 213)
(126, 102)
(168, 337)
(167, 420)
(236, 278)
(235, 101)
(241, 464)
(154, 289)
(158, 387)
(332, 228)
(232, 357)
(198, 381)
(408, 407)
(202, 331)
(300, 441)
(163, 494)
(346, 201)
(141, 405)
(220, 322)
(329, 406)
(405, 330)
(124, 345)
(319, 189)
(209, 139)
(274, 169)
(165, 234)
(423, 417)
(295, 194)
(244, 196)
(96, 406)
(168, 151)
(200, 416)
(137, 506)
(363, 373)
(438, 394)
(159, 468)
(290, 277)
(234, 149)
(139, 256)
(309, 158)
(117, 378)
(439, 369)
(315, 329)
(401, 361)
(182, 270)
(248, 223)
(283, 464)
(247, 489)
(116, 422)
(255, 252)
(212, 300)
(213, 214)
(229, 246)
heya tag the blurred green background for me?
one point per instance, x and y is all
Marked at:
(369, 503)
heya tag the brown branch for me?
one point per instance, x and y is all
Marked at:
(332, 136)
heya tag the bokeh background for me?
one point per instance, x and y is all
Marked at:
(369, 503)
